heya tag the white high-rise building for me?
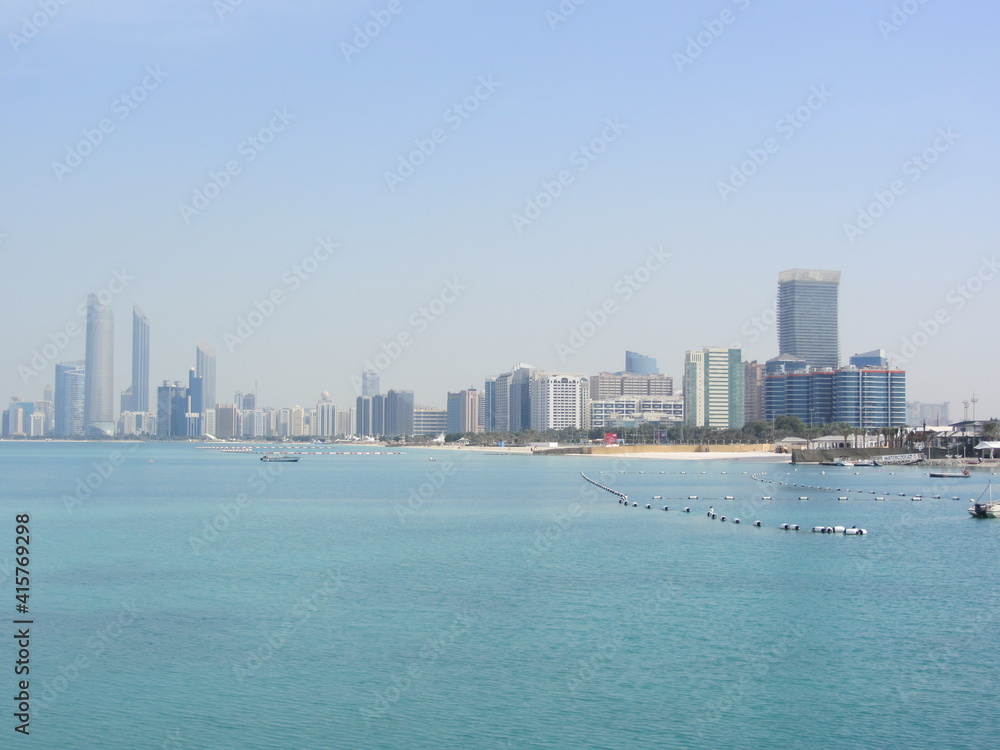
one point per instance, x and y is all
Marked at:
(713, 388)
(326, 417)
(559, 400)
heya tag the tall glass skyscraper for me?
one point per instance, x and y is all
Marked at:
(98, 402)
(69, 393)
(370, 383)
(140, 360)
(807, 316)
(205, 369)
(640, 364)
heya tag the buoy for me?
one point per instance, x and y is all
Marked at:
(714, 516)
(841, 498)
(882, 498)
(803, 498)
(723, 519)
(666, 507)
(687, 510)
(766, 497)
(757, 523)
(648, 506)
(635, 505)
(692, 497)
(838, 529)
(657, 497)
(820, 529)
(736, 520)
(855, 532)
(729, 497)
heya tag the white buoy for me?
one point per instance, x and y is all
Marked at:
(838, 529)
(855, 532)
(648, 506)
(692, 497)
(804, 497)
(736, 520)
(657, 497)
(841, 498)
(666, 507)
(687, 510)
(757, 523)
(729, 497)
(635, 505)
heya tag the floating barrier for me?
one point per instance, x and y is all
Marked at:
(853, 531)
(789, 527)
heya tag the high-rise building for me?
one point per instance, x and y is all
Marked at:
(463, 411)
(429, 421)
(860, 396)
(98, 402)
(370, 383)
(69, 396)
(607, 385)
(559, 400)
(753, 402)
(640, 364)
(205, 369)
(919, 414)
(345, 422)
(807, 316)
(512, 410)
(714, 390)
(226, 421)
(488, 405)
(172, 409)
(370, 416)
(139, 390)
(326, 417)
(398, 413)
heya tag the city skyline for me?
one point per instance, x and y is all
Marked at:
(473, 186)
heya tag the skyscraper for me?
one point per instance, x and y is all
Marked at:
(205, 369)
(640, 364)
(140, 360)
(714, 390)
(69, 395)
(98, 402)
(370, 383)
(559, 400)
(399, 413)
(807, 316)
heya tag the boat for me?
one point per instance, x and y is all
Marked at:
(282, 459)
(865, 462)
(947, 475)
(988, 509)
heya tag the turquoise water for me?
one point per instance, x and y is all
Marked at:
(198, 599)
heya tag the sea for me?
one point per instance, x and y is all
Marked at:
(187, 597)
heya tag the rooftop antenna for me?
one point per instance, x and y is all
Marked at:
(966, 405)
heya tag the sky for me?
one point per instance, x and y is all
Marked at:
(442, 190)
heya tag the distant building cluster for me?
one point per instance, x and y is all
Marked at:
(718, 390)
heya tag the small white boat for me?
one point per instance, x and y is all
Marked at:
(985, 509)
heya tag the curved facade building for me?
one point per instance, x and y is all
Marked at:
(98, 403)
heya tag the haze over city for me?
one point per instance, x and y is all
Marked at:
(301, 185)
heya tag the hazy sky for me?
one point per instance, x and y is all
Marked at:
(490, 174)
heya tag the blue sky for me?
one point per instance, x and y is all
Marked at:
(820, 109)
